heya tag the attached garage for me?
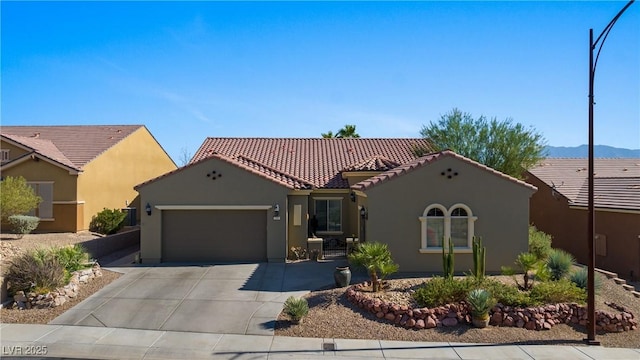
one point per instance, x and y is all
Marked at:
(214, 235)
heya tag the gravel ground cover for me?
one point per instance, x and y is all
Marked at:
(44, 316)
(11, 245)
(331, 315)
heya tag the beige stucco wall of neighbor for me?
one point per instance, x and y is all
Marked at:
(191, 186)
(64, 192)
(108, 180)
(501, 207)
(14, 151)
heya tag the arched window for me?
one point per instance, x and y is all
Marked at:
(435, 227)
(439, 225)
(459, 227)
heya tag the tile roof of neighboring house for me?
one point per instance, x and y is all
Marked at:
(43, 147)
(612, 178)
(617, 193)
(74, 145)
(316, 161)
(426, 160)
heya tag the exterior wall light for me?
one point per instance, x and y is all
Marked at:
(148, 209)
(276, 210)
(363, 213)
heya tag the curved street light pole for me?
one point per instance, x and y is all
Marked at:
(591, 326)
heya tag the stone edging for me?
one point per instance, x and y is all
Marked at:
(60, 295)
(531, 318)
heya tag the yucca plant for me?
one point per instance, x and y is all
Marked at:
(296, 308)
(559, 263)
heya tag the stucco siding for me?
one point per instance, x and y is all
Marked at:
(500, 205)
(108, 180)
(298, 229)
(14, 151)
(64, 184)
(65, 204)
(232, 186)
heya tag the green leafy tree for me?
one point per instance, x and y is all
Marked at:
(376, 258)
(348, 131)
(502, 145)
(17, 197)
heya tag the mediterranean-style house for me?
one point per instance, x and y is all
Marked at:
(253, 199)
(79, 170)
(560, 208)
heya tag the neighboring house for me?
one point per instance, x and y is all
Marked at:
(560, 208)
(79, 170)
(248, 199)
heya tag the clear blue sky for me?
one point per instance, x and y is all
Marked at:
(198, 69)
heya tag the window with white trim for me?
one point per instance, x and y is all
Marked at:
(4, 155)
(440, 225)
(45, 191)
(329, 214)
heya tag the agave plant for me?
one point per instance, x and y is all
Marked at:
(481, 302)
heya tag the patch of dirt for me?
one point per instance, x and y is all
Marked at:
(331, 315)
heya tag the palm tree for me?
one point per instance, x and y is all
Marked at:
(376, 258)
(327, 135)
(348, 131)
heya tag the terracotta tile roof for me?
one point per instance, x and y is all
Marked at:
(426, 160)
(315, 161)
(248, 164)
(374, 163)
(569, 177)
(43, 147)
(72, 145)
(256, 167)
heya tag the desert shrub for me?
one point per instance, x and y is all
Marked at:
(296, 308)
(559, 263)
(580, 278)
(37, 271)
(506, 294)
(23, 224)
(72, 258)
(553, 292)
(439, 291)
(16, 197)
(539, 243)
(107, 221)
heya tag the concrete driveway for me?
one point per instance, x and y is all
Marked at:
(223, 299)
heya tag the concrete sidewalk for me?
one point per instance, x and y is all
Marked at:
(56, 341)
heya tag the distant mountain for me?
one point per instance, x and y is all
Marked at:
(599, 151)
